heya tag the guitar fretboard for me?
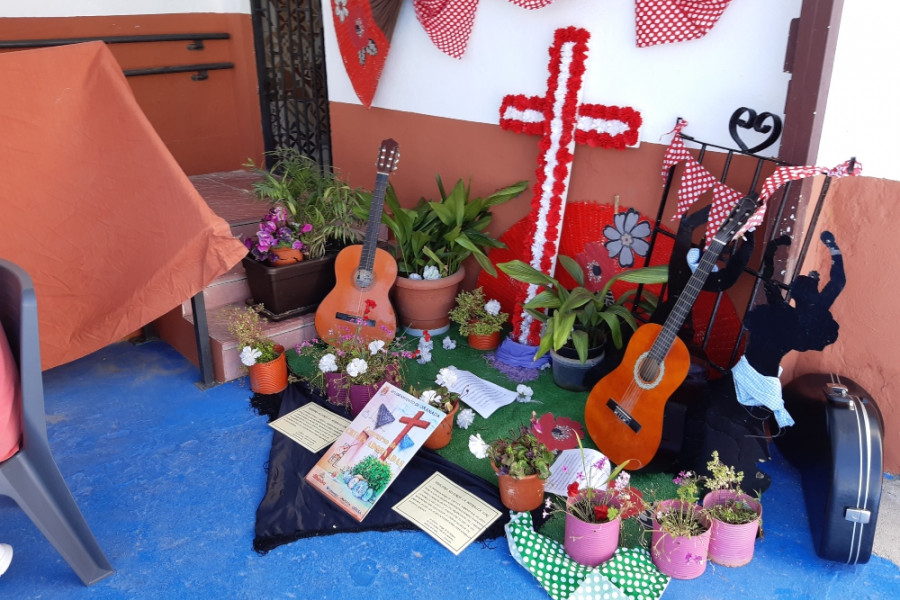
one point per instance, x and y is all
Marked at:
(686, 300)
(367, 256)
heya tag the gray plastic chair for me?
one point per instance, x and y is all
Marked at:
(31, 477)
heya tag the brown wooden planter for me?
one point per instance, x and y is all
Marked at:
(290, 290)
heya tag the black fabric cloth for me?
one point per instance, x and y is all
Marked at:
(292, 509)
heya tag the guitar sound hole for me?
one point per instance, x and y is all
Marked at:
(363, 278)
(647, 372)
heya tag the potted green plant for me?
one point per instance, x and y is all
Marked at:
(578, 323)
(479, 319)
(441, 397)
(522, 463)
(263, 358)
(735, 516)
(679, 545)
(320, 211)
(430, 241)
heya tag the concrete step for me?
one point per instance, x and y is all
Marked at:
(178, 330)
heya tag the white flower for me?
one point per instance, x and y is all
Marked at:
(415, 276)
(430, 397)
(478, 446)
(340, 9)
(424, 356)
(430, 273)
(448, 343)
(447, 377)
(328, 363)
(357, 367)
(492, 307)
(622, 480)
(524, 393)
(426, 346)
(465, 417)
(249, 356)
(376, 346)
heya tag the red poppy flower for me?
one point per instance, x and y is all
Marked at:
(572, 490)
(559, 434)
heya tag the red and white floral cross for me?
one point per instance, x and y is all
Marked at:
(561, 121)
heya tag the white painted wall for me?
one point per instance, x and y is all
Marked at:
(95, 8)
(864, 97)
(739, 63)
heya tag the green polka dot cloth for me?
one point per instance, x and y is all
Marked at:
(628, 575)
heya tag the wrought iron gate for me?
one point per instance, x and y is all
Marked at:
(290, 56)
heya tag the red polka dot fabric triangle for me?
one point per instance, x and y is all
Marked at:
(671, 21)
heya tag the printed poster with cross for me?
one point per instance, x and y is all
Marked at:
(375, 447)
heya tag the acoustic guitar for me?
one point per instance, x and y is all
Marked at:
(364, 274)
(624, 411)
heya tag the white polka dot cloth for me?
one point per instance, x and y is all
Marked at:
(628, 575)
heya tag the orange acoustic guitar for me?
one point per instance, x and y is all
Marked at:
(364, 272)
(624, 411)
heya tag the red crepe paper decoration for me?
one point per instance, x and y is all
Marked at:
(582, 239)
(670, 21)
(561, 121)
(558, 433)
(695, 180)
(363, 29)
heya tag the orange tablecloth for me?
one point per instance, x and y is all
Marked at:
(94, 206)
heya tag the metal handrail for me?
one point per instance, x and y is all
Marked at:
(196, 38)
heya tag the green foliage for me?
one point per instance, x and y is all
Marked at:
(246, 324)
(312, 195)
(472, 315)
(578, 317)
(376, 473)
(521, 454)
(442, 233)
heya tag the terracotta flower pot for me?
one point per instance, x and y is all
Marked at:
(270, 377)
(441, 436)
(731, 545)
(591, 543)
(680, 557)
(484, 342)
(520, 494)
(424, 305)
(285, 256)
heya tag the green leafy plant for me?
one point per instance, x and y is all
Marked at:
(737, 510)
(521, 454)
(246, 325)
(475, 314)
(683, 518)
(376, 473)
(312, 196)
(443, 233)
(579, 317)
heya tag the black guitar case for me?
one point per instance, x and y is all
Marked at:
(836, 444)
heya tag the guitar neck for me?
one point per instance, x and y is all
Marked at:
(367, 256)
(686, 300)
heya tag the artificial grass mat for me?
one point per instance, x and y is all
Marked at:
(548, 397)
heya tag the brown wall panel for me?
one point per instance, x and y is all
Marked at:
(209, 126)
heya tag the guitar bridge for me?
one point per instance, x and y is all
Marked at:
(354, 319)
(623, 415)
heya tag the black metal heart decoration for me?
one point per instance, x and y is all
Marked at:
(747, 118)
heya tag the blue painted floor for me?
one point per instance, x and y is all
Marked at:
(169, 477)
